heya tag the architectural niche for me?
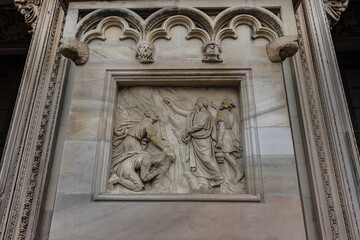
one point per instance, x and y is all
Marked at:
(334, 9)
(30, 9)
(199, 25)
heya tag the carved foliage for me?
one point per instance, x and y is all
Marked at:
(30, 9)
(158, 25)
(334, 9)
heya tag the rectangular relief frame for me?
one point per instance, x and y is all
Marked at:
(208, 78)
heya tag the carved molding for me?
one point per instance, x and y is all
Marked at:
(334, 9)
(326, 120)
(158, 25)
(282, 48)
(31, 10)
(26, 158)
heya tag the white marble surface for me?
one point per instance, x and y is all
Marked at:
(78, 216)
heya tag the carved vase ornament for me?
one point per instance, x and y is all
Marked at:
(158, 25)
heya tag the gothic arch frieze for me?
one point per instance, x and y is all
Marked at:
(158, 25)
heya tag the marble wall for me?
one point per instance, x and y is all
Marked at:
(278, 212)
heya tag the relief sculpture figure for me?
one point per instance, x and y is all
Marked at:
(200, 137)
(228, 146)
(132, 166)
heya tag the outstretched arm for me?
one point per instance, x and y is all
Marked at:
(179, 110)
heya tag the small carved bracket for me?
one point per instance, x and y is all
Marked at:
(282, 48)
(77, 51)
(30, 9)
(211, 52)
(145, 52)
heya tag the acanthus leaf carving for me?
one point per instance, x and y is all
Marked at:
(145, 52)
(334, 9)
(30, 9)
(282, 48)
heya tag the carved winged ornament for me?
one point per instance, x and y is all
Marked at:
(30, 9)
(199, 25)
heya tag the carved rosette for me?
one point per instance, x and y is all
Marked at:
(30, 9)
(334, 9)
(158, 25)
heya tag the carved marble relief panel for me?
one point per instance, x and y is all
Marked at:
(178, 140)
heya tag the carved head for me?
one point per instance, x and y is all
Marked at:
(334, 9)
(211, 52)
(152, 116)
(202, 102)
(227, 104)
(145, 52)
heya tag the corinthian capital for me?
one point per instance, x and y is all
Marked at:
(30, 9)
(334, 9)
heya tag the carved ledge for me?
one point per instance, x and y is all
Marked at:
(282, 48)
(30, 9)
(334, 9)
(77, 51)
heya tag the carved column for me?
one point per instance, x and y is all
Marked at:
(332, 151)
(31, 134)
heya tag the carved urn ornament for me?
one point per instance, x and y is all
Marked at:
(334, 9)
(30, 10)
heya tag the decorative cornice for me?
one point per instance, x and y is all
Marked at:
(334, 9)
(30, 9)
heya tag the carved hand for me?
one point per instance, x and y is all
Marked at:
(219, 144)
(170, 153)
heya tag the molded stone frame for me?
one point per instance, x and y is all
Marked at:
(240, 78)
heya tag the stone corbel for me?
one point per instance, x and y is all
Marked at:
(77, 51)
(30, 9)
(145, 52)
(334, 9)
(282, 48)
